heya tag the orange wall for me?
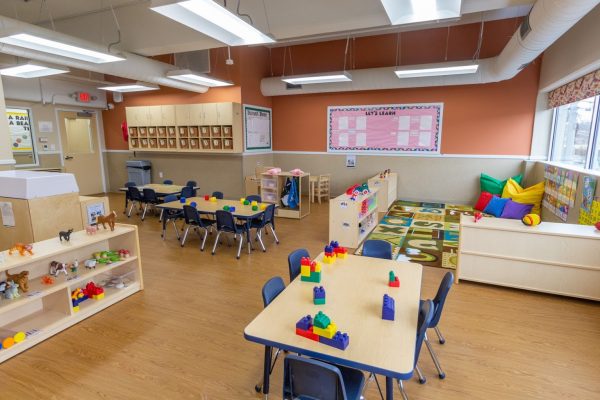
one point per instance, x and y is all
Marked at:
(495, 118)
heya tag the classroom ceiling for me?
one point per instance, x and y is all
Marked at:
(289, 21)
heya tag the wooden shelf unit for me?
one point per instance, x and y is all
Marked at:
(553, 258)
(347, 223)
(198, 128)
(270, 192)
(45, 310)
(388, 189)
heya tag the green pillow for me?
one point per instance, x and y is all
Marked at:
(496, 186)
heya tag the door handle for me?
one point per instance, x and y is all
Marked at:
(68, 157)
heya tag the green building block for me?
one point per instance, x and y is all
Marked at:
(319, 301)
(321, 320)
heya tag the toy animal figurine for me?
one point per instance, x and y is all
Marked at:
(21, 280)
(47, 280)
(2, 286)
(12, 291)
(91, 263)
(22, 248)
(91, 229)
(107, 219)
(74, 266)
(65, 235)
(58, 267)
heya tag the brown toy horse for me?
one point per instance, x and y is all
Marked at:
(107, 219)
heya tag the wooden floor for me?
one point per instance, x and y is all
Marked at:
(182, 337)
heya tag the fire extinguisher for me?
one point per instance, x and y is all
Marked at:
(125, 131)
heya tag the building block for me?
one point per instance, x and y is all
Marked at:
(305, 270)
(327, 332)
(334, 244)
(317, 266)
(304, 323)
(393, 280)
(328, 249)
(319, 295)
(314, 277)
(328, 259)
(305, 261)
(388, 310)
(307, 334)
(321, 320)
(339, 340)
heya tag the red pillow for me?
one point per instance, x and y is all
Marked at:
(484, 199)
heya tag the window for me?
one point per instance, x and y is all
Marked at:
(575, 133)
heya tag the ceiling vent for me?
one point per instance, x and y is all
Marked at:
(198, 61)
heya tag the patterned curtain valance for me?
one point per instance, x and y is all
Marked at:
(579, 89)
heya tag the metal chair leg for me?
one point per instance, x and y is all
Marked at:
(176, 229)
(274, 234)
(216, 243)
(402, 391)
(439, 335)
(441, 373)
(420, 375)
(372, 377)
(259, 237)
(162, 211)
(130, 209)
(204, 239)
(185, 235)
(240, 246)
(145, 209)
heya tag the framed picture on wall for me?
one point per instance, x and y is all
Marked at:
(257, 128)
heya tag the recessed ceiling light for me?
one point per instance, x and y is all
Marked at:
(130, 87)
(197, 78)
(326, 77)
(411, 72)
(212, 19)
(412, 11)
(33, 70)
(60, 49)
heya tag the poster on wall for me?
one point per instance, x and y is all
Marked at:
(588, 191)
(386, 128)
(560, 190)
(257, 128)
(19, 126)
(592, 216)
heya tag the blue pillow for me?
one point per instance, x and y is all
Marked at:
(495, 206)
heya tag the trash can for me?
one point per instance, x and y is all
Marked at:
(139, 171)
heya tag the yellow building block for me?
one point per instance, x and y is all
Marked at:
(317, 267)
(328, 332)
(328, 260)
(98, 296)
(76, 309)
(342, 255)
(19, 337)
(305, 270)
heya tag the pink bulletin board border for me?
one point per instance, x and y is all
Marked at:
(395, 111)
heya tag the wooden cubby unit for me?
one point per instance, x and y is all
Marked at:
(46, 310)
(210, 121)
(270, 192)
(348, 224)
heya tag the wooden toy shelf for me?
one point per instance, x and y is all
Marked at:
(45, 310)
(196, 128)
(388, 189)
(271, 187)
(350, 221)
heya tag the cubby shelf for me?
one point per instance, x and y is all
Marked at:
(347, 224)
(45, 310)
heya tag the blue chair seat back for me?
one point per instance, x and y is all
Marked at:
(150, 196)
(305, 378)
(191, 216)
(167, 182)
(440, 298)
(377, 249)
(294, 262)
(225, 222)
(134, 193)
(254, 197)
(271, 289)
(187, 192)
(191, 184)
(425, 317)
(218, 195)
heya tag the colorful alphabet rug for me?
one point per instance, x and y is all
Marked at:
(425, 233)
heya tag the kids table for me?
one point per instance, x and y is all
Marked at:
(355, 287)
(160, 189)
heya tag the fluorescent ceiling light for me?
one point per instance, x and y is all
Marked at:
(33, 70)
(197, 78)
(412, 11)
(212, 19)
(328, 77)
(60, 49)
(437, 71)
(130, 87)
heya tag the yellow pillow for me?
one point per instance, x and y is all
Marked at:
(531, 195)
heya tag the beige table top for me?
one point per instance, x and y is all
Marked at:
(206, 206)
(354, 290)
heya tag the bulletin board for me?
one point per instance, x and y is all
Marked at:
(19, 126)
(257, 128)
(387, 128)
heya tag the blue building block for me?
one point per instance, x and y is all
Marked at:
(319, 295)
(388, 309)
(305, 323)
(328, 249)
(334, 244)
(339, 340)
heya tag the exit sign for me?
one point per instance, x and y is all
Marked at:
(84, 97)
